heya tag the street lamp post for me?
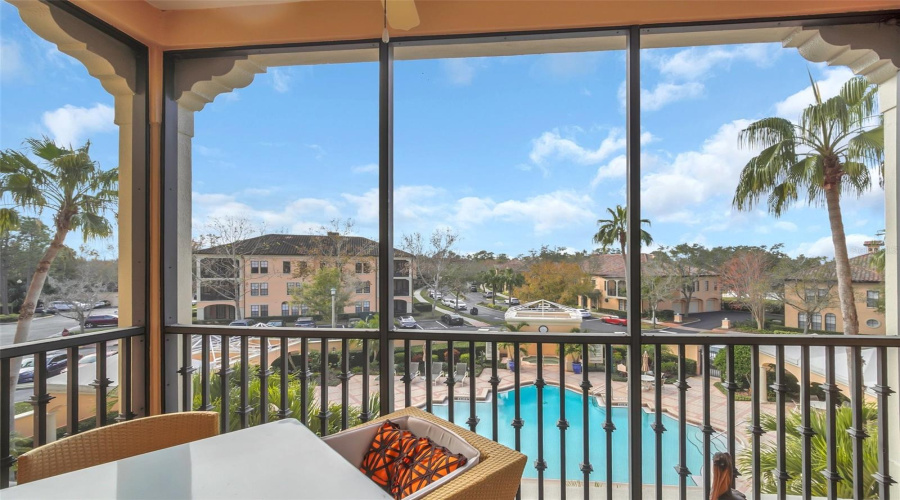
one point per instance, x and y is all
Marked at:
(333, 317)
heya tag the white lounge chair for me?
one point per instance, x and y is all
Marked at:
(437, 371)
(462, 371)
(415, 371)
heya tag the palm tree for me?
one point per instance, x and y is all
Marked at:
(72, 188)
(512, 279)
(614, 230)
(829, 153)
(819, 449)
(494, 279)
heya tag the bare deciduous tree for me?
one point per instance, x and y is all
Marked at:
(749, 276)
(431, 259)
(219, 266)
(656, 286)
(809, 287)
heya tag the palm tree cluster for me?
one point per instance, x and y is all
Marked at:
(501, 279)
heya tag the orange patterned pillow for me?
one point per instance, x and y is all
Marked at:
(384, 451)
(424, 464)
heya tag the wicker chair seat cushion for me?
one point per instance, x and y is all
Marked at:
(424, 463)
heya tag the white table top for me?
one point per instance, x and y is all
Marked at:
(282, 459)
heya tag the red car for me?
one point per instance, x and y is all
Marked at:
(615, 320)
(101, 320)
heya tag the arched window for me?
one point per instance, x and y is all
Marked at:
(285, 309)
(611, 288)
(817, 321)
(830, 322)
(295, 310)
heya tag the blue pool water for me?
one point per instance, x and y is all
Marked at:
(574, 443)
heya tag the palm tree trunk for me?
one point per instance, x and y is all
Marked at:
(26, 312)
(842, 262)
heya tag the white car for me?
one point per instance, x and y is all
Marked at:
(408, 322)
(585, 314)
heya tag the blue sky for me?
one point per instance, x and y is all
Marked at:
(513, 152)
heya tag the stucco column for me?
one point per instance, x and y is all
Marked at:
(888, 97)
(185, 258)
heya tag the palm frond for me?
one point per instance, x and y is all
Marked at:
(766, 132)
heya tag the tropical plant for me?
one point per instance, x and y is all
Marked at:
(514, 327)
(494, 279)
(69, 185)
(508, 347)
(827, 154)
(842, 450)
(613, 231)
(369, 324)
(512, 279)
(293, 405)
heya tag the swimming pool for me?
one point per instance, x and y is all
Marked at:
(574, 453)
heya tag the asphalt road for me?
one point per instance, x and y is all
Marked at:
(41, 328)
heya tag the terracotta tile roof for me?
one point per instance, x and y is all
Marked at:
(303, 244)
(861, 270)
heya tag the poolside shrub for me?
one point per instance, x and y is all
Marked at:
(422, 307)
(464, 358)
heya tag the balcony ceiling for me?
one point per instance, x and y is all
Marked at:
(210, 4)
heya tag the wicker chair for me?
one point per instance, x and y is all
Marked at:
(496, 476)
(115, 442)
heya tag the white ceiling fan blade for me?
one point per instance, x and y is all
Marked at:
(401, 14)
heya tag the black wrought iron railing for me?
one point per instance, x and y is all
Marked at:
(779, 397)
(130, 391)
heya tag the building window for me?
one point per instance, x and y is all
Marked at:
(706, 286)
(622, 291)
(285, 309)
(302, 267)
(363, 306)
(823, 293)
(254, 311)
(363, 268)
(623, 305)
(293, 287)
(830, 322)
(264, 310)
(810, 296)
(364, 287)
(872, 298)
(594, 282)
(801, 320)
(254, 289)
(254, 267)
(611, 288)
(286, 267)
(295, 310)
(873, 323)
(817, 321)
(697, 286)
(263, 267)
(264, 289)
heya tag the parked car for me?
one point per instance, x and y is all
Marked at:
(276, 323)
(408, 322)
(615, 320)
(26, 372)
(513, 301)
(243, 322)
(461, 306)
(305, 323)
(94, 321)
(452, 320)
(473, 288)
(585, 314)
(102, 303)
(61, 305)
(488, 294)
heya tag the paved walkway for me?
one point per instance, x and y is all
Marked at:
(473, 322)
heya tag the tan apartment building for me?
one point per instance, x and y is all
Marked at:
(868, 287)
(608, 277)
(263, 276)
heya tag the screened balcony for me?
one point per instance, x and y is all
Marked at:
(805, 415)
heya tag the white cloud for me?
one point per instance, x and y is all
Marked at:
(697, 62)
(824, 247)
(545, 212)
(693, 180)
(552, 146)
(667, 93)
(784, 225)
(319, 151)
(461, 72)
(71, 125)
(791, 107)
(616, 168)
(365, 169)
(566, 65)
(281, 80)
(217, 205)
(10, 60)
(366, 205)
